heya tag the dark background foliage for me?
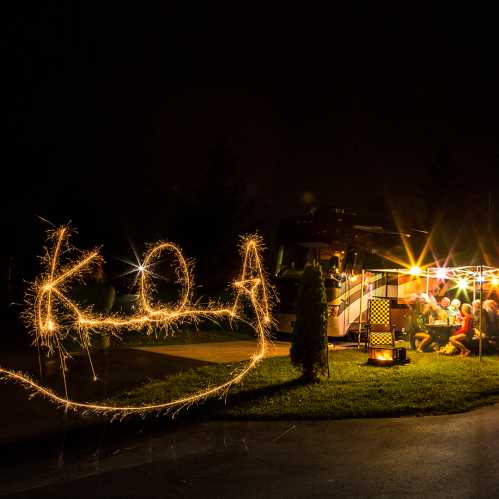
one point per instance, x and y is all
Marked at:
(198, 123)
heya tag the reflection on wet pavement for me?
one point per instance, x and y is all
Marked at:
(25, 417)
(72, 457)
(399, 457)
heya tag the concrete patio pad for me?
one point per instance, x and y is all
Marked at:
(222, 352)
(219, 352)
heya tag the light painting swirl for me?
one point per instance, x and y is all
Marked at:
(54, 315)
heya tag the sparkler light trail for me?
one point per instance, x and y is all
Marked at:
(55, 316)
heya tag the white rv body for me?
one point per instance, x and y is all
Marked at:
(349, 301)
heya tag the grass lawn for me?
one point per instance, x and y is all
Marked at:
(430, 384)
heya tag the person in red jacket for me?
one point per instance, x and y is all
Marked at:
(465, 332)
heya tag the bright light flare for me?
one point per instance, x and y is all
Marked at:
(442, 273)
(462, 284)
(415, 270)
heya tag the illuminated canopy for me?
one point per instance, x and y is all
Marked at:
(477, 273)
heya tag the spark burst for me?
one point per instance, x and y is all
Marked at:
(55, 316)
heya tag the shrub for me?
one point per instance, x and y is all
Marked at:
(309, 343)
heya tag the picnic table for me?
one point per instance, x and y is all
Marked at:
(440, 332)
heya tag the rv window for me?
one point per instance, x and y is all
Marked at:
(287, 290)
(334, 263)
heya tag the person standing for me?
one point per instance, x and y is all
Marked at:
(98, 294)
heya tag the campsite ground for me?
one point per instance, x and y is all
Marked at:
(442, 456)
(429, 384)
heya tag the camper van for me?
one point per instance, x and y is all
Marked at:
(347, 250)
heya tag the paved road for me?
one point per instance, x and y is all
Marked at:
(22, 417)
(117, 369)
(445, 457)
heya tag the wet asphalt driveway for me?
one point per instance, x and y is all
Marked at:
(445, 456)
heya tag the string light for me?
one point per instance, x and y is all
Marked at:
(55, 316)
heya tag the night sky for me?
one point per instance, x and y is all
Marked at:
(137, 122)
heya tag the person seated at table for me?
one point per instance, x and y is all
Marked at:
(439, 291)
(453, 311)
(443, 309)
(465, 332)
(431, 311)
(476, 305)
(421, 312)
(490, 321)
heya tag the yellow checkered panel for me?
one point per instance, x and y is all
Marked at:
(380, 333)
(379, 311)
(381, 339)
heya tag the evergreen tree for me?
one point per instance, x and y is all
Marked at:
(309, 347)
